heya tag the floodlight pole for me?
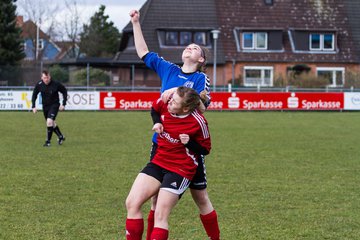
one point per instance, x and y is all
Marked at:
(215, 35)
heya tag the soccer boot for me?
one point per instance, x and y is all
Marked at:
(61, 140)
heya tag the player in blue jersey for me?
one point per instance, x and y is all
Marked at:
(190, 75)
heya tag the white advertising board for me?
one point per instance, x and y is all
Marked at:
(352, 101)
(21, 100)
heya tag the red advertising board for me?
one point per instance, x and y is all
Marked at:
(127, 100)
(276, 101)
(232, 101)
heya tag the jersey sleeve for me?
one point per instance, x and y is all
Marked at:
(202, 136)
(159, 106)
(63, 91)
(156, 63)
(35, 94)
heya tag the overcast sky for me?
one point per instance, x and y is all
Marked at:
(117, 10)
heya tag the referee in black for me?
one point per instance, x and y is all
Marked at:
(51, 104)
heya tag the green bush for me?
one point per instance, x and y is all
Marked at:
(352, 79)
(97, 77)
(280, 81)
(59, 73)
(306, 80)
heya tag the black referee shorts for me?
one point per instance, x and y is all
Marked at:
(51, 111)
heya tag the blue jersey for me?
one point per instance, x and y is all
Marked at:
(172, 76)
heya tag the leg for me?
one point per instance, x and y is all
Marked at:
(50, 129)
(201, 198)
(172, 187)
(142, 189)
(208, 215)
(61, 137)
(50, 116)
(151, 218)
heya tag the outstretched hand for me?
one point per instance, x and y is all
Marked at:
(135, 16)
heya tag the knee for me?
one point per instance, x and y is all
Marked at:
(49, 122)
(201, 197)
(132, 205)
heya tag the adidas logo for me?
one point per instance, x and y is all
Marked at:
(174, 184)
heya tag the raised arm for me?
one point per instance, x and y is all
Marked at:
(140, 44)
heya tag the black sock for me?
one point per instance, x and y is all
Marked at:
(49, 133)
(57, 131)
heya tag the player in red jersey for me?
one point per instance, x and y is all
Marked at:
(190, 74)
(183, 135)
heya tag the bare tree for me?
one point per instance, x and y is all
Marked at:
(43, 15)
(72, 26)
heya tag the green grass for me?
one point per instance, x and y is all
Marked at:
(272, 175)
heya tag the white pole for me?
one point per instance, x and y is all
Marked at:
(37, 41)
(215, 34)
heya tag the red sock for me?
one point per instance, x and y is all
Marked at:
(159, 234)
(134, 229)
(211, 225)
(150, 224)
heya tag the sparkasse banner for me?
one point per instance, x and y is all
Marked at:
(127, 100)
(92, 100)
(276, 101)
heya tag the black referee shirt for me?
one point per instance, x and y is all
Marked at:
(49, 93)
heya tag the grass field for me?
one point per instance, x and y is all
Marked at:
(272, 175)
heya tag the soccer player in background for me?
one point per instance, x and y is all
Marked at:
(49, 90)
(183, 135)
(190, 74)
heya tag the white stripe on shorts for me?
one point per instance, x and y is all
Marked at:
(183, 186)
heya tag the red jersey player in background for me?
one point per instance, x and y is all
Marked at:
(183, 134)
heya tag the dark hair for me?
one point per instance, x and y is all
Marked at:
(45, 72)
(191, 98)
(205, 54)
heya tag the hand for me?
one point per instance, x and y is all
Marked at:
(184, 138)
(34, 110)
(62, 108)
(166, 95)
(135, 16)
(158, 128)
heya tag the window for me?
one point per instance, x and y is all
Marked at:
(171, 38)
(258, 76)
(255, 40)
(322, 42)
(269, 2)
(41, 44)
(335, 76)
(184, 38)
(200, 38)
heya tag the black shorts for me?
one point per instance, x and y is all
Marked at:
(199, 180)
(51, 111)
(170, 181)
